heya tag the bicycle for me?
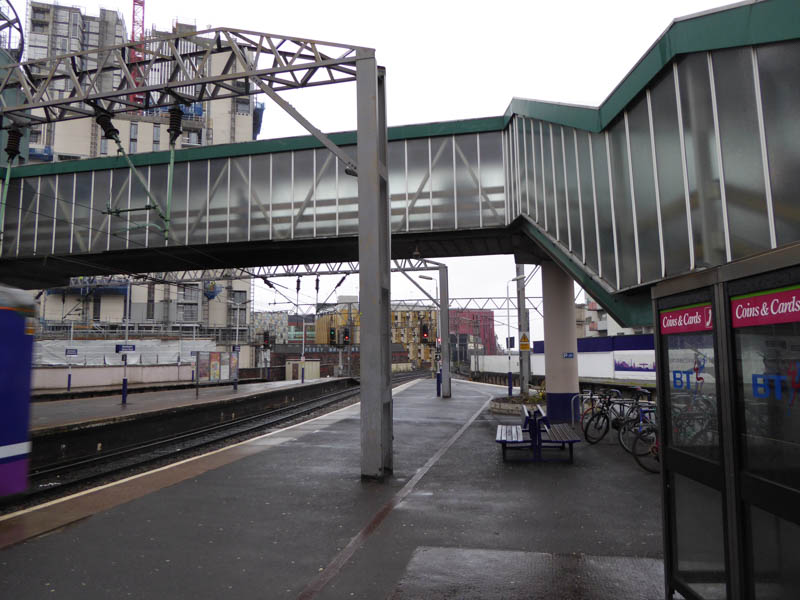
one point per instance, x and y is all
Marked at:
(608, 410)
(631, 427)
(644, 412)
(646, 449)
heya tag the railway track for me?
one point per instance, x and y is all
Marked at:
(60, 478)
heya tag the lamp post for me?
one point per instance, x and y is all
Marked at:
(437, 365)
(439, 311)
(238, 306)
(508, 335)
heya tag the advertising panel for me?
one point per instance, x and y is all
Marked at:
(214, 370)
(234, 365)
(203, 366)
(224, 366)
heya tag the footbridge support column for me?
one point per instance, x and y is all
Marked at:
(444, 330)
(374, 244)
(524, 332)
(560, 342)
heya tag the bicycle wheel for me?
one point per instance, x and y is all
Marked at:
(646, 450)
(628, 432)
(596, 428)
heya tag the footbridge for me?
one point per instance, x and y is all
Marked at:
(682, 168)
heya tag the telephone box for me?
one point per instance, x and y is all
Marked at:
(728, 354)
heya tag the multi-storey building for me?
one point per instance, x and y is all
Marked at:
(54, 30)
(472, 328)
(276, 323)
(98, 306)
(409, 325)
(593, 321)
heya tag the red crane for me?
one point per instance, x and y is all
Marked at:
(137, 52)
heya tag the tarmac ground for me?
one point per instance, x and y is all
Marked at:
(287, 515)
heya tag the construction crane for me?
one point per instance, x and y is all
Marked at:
(137, 50)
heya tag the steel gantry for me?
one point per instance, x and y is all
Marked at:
(184, 68)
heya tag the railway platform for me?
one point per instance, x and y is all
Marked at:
(287, 515)
(94, 410)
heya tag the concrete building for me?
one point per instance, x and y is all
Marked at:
(275, 323)
(409, 324)
(54, 30)
(592, 320)
(97, 307)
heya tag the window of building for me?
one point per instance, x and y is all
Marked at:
(75, 31)
(134, 138)
(36, 135)
(63, 44)
(189, 293)
(243, 105)
(156, 138)
(187, 312)
(103, 145)
(38, 27)
(151, 301)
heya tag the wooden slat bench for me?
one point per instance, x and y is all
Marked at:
(513, 436)
(549, 436)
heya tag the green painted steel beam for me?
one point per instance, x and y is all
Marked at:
(306, 142)
(629, 309)
(740, 25)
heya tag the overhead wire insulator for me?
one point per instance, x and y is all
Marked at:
(109, 131)
(175, 119)
(14, 139)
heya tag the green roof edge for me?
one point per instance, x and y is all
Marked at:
(345, 138)
(744, 24)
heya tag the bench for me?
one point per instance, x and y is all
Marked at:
(552, 435)
(513, 436)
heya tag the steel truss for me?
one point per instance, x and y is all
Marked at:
(305, 270)
(181, 68)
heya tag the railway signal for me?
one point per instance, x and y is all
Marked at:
(332, 336)
(346, 336)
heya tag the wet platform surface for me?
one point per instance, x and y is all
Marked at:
(79, 410)
(288, 516)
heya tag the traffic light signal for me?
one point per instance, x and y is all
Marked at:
(332, 336)
(425, 337)
(266, 340)
(346, 336)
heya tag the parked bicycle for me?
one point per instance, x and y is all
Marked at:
(610, 409)
(646, 449)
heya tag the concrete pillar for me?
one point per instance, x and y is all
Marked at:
(560, 342)
(524, 330)
(374, 243)
(444, 329)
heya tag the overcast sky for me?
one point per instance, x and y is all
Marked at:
(444, 61)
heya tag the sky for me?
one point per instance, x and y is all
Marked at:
(444, 61)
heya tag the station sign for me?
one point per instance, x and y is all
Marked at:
(126, 348)
(772, 307)
(687, 319)
(569, 355)
(193, 353)
(71, 352)
(236, 348)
